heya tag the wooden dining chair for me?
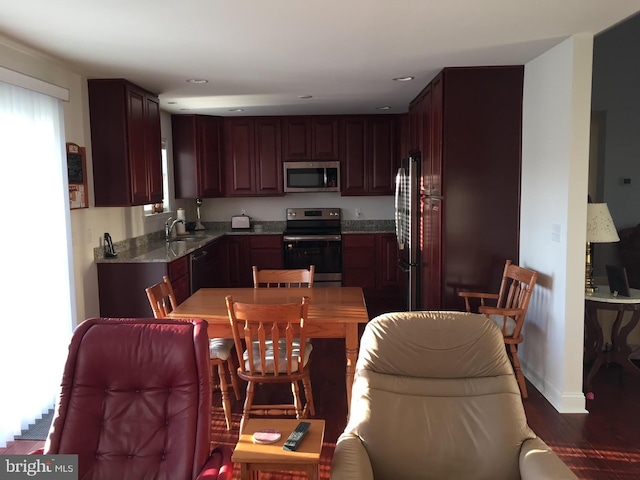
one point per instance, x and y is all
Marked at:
(277, 351)
(509, 311)
(163, 301)
(298, 277)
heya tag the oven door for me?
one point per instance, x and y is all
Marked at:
(323, 251)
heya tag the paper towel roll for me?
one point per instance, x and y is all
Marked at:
(180, 214)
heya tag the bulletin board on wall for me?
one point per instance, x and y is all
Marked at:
(77, 171)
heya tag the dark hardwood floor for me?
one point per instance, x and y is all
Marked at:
(601, 445)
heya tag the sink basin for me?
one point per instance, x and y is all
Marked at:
(185, 238)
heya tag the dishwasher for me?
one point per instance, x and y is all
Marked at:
(198, 269)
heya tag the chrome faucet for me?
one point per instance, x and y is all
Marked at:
(168, 227)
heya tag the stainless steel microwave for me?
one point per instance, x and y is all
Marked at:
(312, 176)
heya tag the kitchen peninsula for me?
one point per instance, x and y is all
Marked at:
(225, 257)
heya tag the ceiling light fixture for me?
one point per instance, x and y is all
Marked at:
(236, 109)
(385, 107)
(305, 97)
(197, 80)
(404, 79)
(171, 103)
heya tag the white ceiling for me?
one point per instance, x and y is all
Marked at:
(261, 55)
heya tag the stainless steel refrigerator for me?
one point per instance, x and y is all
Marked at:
(408, 220)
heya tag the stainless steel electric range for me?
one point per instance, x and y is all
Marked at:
(313, 237)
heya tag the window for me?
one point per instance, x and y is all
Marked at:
(165, 206)
(34, 340)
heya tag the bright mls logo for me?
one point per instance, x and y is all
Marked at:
(39, 467)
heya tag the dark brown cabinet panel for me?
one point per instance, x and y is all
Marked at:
(470, 137)
(383, 285)
(388, 272)
(358, 256)
(253, 156)
(353, 155)
(121, 286)
(324, 138)
(268, 157)
(369, 154)
(197, 156)
(126, 143)
(265, 251)
(179, 277)
(238, 267)
(309, 138)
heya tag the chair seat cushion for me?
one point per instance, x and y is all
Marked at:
(282, 356)
(220, 348)
(499, 321)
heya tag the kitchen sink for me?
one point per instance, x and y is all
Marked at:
(186, 238)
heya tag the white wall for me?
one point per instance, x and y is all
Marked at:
(555, 160)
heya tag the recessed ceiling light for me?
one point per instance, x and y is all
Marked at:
(236, 109)
(197, 80)
(184, 109)
(305, 97)
(404, 79)
(171, 103)
(386, 107)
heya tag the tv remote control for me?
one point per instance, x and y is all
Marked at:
(296, 436)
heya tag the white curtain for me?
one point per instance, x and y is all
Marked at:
(37, 299)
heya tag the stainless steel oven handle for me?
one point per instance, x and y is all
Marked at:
(302, 238)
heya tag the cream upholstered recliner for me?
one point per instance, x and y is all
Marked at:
(435, 397)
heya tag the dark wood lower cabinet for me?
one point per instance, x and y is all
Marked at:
(121, 285)
(370, 261)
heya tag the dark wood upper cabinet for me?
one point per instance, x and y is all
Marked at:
(197, 156)
(309, 138)
(253, 160)
(126, 143)
(369, 154)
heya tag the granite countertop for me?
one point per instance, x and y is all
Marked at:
(153, 247)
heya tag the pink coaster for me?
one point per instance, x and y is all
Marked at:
(268, 435)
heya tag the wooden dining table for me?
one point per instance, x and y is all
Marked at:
(334, 312)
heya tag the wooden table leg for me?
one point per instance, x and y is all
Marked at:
(351, 342)
(594, 342)
(620, 350)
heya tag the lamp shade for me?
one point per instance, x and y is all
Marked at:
(600, 227)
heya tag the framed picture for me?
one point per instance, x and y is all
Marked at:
(77, 171)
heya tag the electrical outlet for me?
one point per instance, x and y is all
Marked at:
(243, 212)
(358, 212)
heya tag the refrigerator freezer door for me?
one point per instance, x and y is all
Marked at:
(408, 220)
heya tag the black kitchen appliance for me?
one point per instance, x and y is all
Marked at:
(109, 250)
(313, 237)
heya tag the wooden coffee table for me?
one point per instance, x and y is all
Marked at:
(256, 457)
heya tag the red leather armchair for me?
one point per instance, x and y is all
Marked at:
(136, 402)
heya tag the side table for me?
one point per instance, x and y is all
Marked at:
(256, 457)
(619, 350)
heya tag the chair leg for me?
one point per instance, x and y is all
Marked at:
(226, 402)
(513, 350)
(248, 402)
(234, 378)
(308, 393)
(297, 403)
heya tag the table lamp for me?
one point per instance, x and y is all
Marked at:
(600, 229)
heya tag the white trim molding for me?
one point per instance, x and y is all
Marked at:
(31, 83)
